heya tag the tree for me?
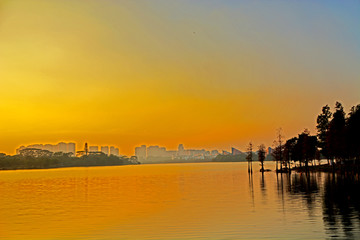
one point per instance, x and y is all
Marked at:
(289, 149)
(306, 147)
(323, 121)
(35, 153)
(336, 134)
(278, 151)
(249, 157)
(261, 156)
(353, 133)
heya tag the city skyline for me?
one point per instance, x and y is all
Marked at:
(155, 153)
(62, 146)
(142, 154)
(70, 147)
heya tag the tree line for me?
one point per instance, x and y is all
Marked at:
(337, 140)
(32, 158)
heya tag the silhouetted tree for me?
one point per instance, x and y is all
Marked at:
(278, 150)
(336, 134)
(32, 158)
(323, 121)
(249, 157)
(34, 152)
(297, 152)
(307, 145)
(261, 156)
(289, 149)
(353, 133)
(338, 138)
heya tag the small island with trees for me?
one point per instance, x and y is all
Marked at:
(33, 158)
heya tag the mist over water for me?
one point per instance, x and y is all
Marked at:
(177, 201)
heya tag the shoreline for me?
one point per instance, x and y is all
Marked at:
(57, 167)
(336, 168)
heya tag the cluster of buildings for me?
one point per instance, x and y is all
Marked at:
(155, 152)
(104, 149)
(60, 147)
(143, 153)
(70, 148)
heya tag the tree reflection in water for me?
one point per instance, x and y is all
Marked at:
(338, 195)
(341, 205)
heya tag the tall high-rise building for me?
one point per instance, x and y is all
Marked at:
(71, 148)
(114, 151)
(105, 149)
(50, 147)
(156, 151)
(140, 153)
(181, 150)
(62, 147)
(93, 148)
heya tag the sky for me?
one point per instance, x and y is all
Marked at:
(208, 74)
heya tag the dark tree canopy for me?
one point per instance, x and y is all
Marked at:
(336, 134)
(261, 156)
(323, 121)
(338, 138)
(353, 133)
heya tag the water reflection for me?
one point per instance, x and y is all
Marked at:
(341, 205)
(177, 201)
(251, 189)
(337, 195)
(263, 187)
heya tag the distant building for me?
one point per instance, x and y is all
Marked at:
(51, 147)
(105, 150)
(114, 151)
(71, 148)
(235, 151)
(181, 150)
(62, 147)
(140, 153)
(93, 148)
(171, 154)
(156, 151)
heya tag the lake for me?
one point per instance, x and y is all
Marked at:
(177, 201)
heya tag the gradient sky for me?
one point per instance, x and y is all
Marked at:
(211, 74)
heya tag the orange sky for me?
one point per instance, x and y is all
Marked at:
(206, 74)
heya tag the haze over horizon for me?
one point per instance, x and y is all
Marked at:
(207, 74)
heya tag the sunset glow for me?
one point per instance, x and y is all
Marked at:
(208, 74)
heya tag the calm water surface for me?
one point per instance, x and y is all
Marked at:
(177, 201)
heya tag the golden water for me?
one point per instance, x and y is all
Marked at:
(169, 201)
